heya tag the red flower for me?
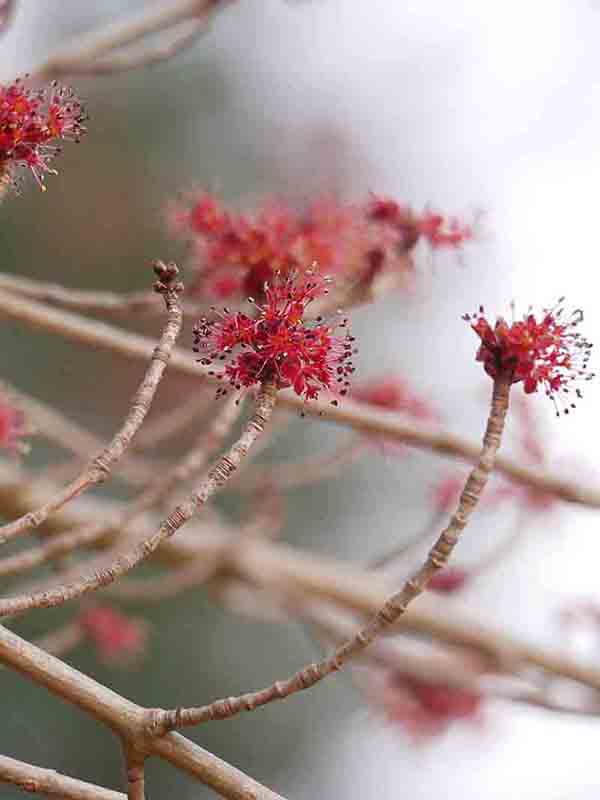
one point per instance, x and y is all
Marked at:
(547, 352)
(235, 253)
(118, 639)
(12, 426)
(276, 345)
(394, 394)
(32, 122)
(425, 708)
(440, 231)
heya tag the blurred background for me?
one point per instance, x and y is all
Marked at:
(469, 107)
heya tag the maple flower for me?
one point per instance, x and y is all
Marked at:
(393, 393)
(425, 708)
(118, 638)
(439, 230)
(276, 344)
(547, 352)
(32, 123)
(233, 253)
(12, 426)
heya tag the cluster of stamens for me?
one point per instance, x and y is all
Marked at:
(549, 352)
(32, 122)
(276, 345)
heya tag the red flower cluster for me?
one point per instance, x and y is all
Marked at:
(428, 709)
(276, 345)
(12, 425)
(32, 122)
(547, 352)
(235, 254)
(118, 639)
(440, 231)
(394, 394)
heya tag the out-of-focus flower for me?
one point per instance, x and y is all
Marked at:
(12, 425)
(426, 709)
(393, 393)
(119, 639)
(32, 124)
(439, 230)
(548, 352)
(235, 254)
(276, 345)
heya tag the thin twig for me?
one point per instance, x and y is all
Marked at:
(360, 417)
(71, 436)
(160, 488)
(283, 568)
(88, 301)
(82, 56)
(216, 478)
(135, 769)
(99, 468)
(50, 783)
(392, 610)
(284, 476)
(150, 56)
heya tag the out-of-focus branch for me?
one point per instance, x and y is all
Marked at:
(107, 50)
(358, 416)
(57, 428)
(279, 567)
(158, 490)
(100, 466)
(88, 301)
(50, 783)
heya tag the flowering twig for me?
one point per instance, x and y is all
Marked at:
(100, 467)
(100, 50)
(359, 416)
(395, 606)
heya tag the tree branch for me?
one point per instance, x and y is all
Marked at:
(127, 719)
(38, 780)
(100, 466)
(391, 611)
(358, 416)
(94, 51)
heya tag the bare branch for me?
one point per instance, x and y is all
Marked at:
(159, 489)
(100, 466)
(38, 780)
(101, 46)
(150, 56)
(135, 769)
(216, 478)
(127, 719)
